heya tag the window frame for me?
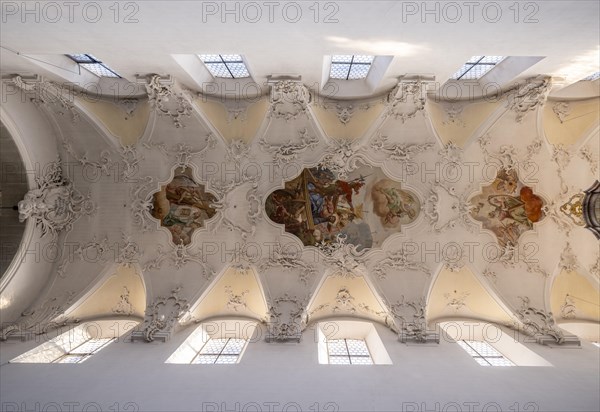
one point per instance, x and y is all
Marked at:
(84, 355)
(348, 355)
(350, 64)
(229, 328)
(226, 64)
(474, 65)
(592, 77)
(92, 61)
(351, 330)
(484, 357)
(216, 361)
(67, 341)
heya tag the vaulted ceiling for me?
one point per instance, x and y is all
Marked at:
(289, 207)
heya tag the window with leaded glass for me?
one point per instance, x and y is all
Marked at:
(350, 67)
(83, 352)
(348, 352)
(476, 67)
(484, 353)
(75, 345)
(92, 64)
(220, 351)
(228, 66)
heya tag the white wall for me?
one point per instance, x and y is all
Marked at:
(275, 376)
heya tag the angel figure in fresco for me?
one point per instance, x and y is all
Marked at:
(393, 205)
(398, 204)
(191, 195)
(524, 209)
(508, 207)
(506, 181)
(316, 206)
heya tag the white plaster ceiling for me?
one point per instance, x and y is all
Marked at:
(563, 32)
(122, 152)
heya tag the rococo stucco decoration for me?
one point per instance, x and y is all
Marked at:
(391, 208)
(288, 93)
(167, 101)
(161, 317)
(37, 320)
(541, 324)
(286, 319)
(410, 321)
(55, 205)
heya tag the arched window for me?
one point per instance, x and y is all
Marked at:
(489, 344)
(350, 343)
(215, 342)
(484, 354)
(77, 344)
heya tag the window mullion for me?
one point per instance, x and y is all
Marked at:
(345, 340)
(347, 77)
(478, 63)
(200, 351)
(222, 349)
(479, 355)
(93, 60)
(485, 358)
(78, 346)
(467, 71)
(227, 67)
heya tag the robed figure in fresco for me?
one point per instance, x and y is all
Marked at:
(507, 207)
(316, 207)
(394, 205)
(182, 206)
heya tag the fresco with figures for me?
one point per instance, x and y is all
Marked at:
(507, 207)
(365, 208)
(183, 206)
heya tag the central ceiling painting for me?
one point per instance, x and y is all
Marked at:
(183, 206)
(507, 207)
(365, 208)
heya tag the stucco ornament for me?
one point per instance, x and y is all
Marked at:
(55, 205)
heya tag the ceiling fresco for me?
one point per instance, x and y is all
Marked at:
(183, 206)
(507, 207)
(364, 208)
(361, 226)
